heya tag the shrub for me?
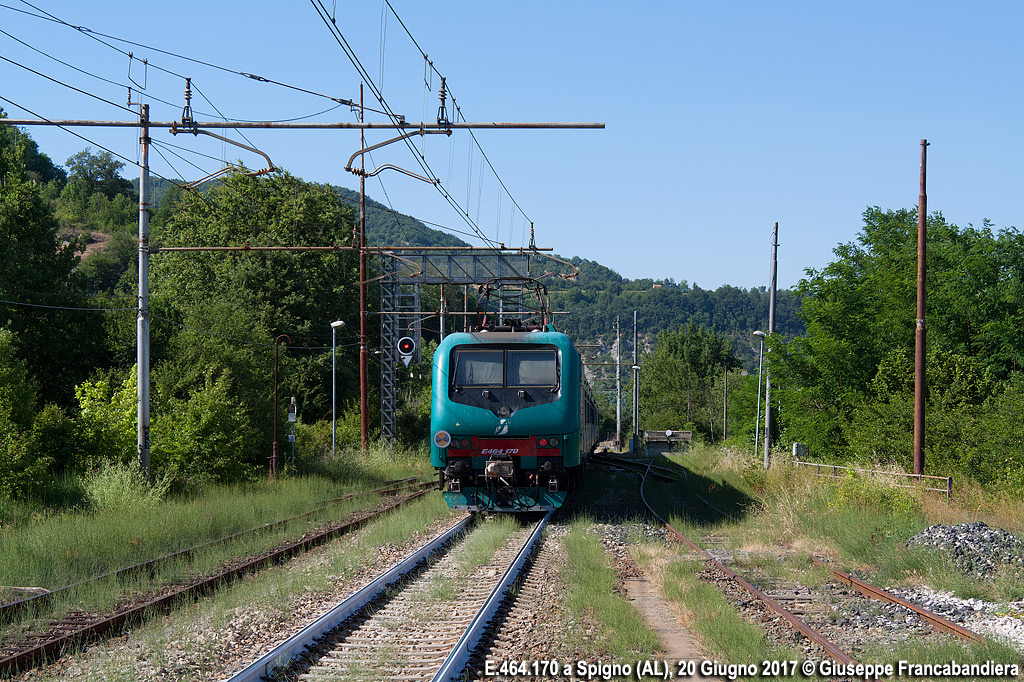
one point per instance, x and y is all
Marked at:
(875, 494)
(120, 487)
(206, 438)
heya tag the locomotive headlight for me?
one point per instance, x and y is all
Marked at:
(554, 441)
(504, 411)
(442, 439)
(543, 442)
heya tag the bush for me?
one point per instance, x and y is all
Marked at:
(120, 487)
(206, 438)
(874, 494)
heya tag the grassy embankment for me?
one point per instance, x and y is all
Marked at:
(130, 525)
(863, 522)
(193, 642)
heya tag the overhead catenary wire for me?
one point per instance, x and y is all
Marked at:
(457, 108)
(67, 85)
(97, 35)
(424, 165)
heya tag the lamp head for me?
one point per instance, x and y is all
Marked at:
(760, 333)
(339, 323)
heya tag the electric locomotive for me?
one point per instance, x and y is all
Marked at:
(512, 418)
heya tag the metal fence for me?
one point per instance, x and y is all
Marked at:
(922, 479)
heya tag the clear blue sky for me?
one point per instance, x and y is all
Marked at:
(721, 117)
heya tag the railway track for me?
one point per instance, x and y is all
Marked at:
(826, 644)
(419, 621)
(59, 636)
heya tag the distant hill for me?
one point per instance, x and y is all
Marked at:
(599, 294)
(387, 228)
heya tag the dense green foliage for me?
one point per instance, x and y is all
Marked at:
(677, 378)
(847, 385)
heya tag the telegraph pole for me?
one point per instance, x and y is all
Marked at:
(920, 387)
(142, 327)
(636, 392)
(618, 387)
(768, 371)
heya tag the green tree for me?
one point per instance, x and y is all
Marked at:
(851, 368)
(42, 292)
(98, 173)
(677, 378)
(227, 309)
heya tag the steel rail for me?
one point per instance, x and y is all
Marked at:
(833, 651)
(53, 648)
(664, 473)
(298, 643)
(457, 660)
(13, 608)
(879, 594)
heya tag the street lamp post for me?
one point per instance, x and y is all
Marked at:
(757, 421)
(273, 456)
(334, 390)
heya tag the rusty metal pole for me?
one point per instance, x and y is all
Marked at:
(920, 388)
(364, 358)
(273, 456)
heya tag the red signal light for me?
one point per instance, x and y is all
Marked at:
(406, 345)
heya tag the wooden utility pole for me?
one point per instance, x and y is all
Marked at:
(920, 388)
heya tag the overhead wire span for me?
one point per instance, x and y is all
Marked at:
(61, 307)
(96, 35)
(67, 85)
(142, 87)
(424, 165)
(454, 105)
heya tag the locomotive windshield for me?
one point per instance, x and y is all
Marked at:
(532, 368)
(511, 368)
(479, 368)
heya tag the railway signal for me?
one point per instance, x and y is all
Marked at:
(406, 346)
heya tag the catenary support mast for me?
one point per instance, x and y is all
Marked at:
(142, 327)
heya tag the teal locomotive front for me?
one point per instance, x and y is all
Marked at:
(512, 420)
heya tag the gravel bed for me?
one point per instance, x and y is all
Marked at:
(1002, 621)
(978, 551)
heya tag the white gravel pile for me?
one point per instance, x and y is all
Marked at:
(1003, 621)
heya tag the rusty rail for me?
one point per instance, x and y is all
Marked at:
(830, 648)
(54, 647)
(13, 608)
(879, 594)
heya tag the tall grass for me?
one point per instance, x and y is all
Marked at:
(592, 591)
(722, 631)
(128, 523)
